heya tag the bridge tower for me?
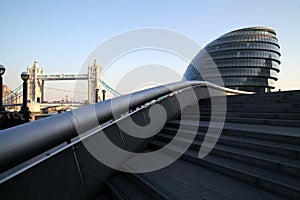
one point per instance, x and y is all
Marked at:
(94, 77)
(35, 86)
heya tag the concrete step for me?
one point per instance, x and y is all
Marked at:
(258, 115)
(130, 186)
(285, 186)
(273, 95)
(278, 100)
(295, 116)
(186, 180)
(265, 96)
(257, 98)
(267, 161)
(105, 194)
(288, 135)
(251, 104)
(266, 121)
(253, 109)
(290, 151)
(268, 99)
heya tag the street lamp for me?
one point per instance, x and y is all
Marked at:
(24, 76)
(96, 95)
(2, 71)
(24, 108)
(103, 94)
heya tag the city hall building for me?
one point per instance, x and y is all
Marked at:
(246, 59)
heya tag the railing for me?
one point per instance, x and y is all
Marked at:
(21, 143)
(60, 128)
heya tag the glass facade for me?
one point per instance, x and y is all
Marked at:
(246, 59)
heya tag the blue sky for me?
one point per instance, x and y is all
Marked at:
(61, 34)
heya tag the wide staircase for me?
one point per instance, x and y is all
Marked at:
(256, 157)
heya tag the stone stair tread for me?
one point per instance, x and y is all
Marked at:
(282, 179)
(237, 119)
(266, 129)
(247, 118)
(220, 161)
(186, 180)
(261, 155)
(195, 182)
(278, 115)
(287, 180)
(275, 109)
(248, 153)
(245, 139)
(244, 168)
(272, 115)
(105, 194)
(249, 105)
(125, 189)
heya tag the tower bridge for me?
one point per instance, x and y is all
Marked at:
(37, 78)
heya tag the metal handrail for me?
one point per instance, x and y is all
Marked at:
(56, 150)
(20, 143)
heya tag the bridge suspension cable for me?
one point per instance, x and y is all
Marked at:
(13, 95)
(110, 89)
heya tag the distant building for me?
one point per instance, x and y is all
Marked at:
(6, 90)
(247, 59)
(35, 86)
(94, 77)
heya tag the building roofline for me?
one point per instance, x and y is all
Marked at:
(254, 28)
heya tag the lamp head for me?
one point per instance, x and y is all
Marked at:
(2, 70)
(24, 76)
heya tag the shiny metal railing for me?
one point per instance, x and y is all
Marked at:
(26, 141)
(48, 159)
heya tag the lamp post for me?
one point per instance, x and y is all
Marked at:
(24, 108)
(96, 94)
(103, 95)
(2, 71)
